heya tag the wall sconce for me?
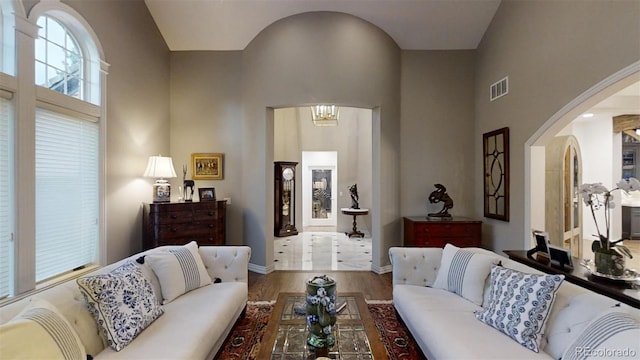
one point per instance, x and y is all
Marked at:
(325, 115)
(161, 168)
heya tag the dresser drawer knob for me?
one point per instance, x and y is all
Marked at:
(174, 216)
(211, 226)
(211, 213)
(174, 229)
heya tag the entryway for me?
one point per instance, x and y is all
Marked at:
(319, 183)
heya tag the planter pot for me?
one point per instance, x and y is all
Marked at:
(321, 311)
(609, 262)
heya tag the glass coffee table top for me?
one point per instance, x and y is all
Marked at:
(356, 335)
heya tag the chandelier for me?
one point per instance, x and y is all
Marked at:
(325, 115)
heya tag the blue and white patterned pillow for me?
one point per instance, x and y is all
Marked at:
(519, 304)
(612, 334)
(464, 272)
(40, 332)
(179, 270)
(122, 302)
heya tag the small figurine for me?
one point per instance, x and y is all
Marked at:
(353, 189)
(188, 184)
(440, 195)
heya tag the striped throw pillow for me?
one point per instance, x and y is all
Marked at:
(464, 272)
(179, 270)
(613, 334)
(40, 332)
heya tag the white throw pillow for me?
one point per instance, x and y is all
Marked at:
(464, 272)
(122, 302)
(40, 332)
(520, 304)
(613, 334)
(179, 270)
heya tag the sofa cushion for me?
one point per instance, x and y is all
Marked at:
(122, 302)
(613, 334)
(572, 318)
(40, 332)
(179, 270)
(444, 326)
(464, 272)
(194, 325)
(519, 304)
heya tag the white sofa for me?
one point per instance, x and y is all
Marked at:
(193, 326)
(445, 326)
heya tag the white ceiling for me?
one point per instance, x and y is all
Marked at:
(232, 24)
(626, 101)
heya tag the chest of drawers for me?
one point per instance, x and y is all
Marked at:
(459, 231)
(181, 223)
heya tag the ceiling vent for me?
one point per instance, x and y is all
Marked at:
(499, 89)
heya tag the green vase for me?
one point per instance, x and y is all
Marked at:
(609, 262)
(321, 311)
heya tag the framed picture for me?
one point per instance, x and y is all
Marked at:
(206, 166)
(207, 194)
(496, 174)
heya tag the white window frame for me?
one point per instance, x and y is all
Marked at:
(28, 96)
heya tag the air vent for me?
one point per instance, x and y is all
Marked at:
(499, 89)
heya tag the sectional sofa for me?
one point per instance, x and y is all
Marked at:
(472, 303)
(171, 302)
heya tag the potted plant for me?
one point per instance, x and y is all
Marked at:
(609, 256)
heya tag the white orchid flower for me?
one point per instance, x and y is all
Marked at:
(630, 184)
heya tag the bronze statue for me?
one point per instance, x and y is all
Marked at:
(440, 195)
(353, 189)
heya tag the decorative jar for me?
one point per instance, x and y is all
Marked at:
(609, 262)
(321, 311)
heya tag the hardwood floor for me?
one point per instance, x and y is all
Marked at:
(371, 285)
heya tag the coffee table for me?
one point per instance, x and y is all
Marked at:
(356, 334)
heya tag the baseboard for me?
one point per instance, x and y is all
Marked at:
(261, 269)
(381, 270)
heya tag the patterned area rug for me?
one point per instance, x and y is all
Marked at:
(246, 337)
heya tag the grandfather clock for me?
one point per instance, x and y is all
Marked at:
(285, 198)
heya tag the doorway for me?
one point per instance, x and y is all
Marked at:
(319, 183)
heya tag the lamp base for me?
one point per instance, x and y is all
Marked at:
(161, 191)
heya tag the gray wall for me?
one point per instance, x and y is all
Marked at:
(206, 117)
(552, 52)
(137, 112)
(288, 64)
(437, 130)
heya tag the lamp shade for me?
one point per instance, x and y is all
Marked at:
(160, 167)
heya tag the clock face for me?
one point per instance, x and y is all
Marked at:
(287, 174)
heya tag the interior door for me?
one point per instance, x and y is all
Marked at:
(320, 181)
(571, 202)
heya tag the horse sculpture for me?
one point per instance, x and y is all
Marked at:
(440, 195)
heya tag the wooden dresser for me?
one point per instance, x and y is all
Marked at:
(459, 231)
(180, 223)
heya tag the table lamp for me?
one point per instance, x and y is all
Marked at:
(161, 168)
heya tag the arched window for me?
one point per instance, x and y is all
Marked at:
(59, 59)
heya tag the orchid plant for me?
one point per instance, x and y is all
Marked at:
(597, 196)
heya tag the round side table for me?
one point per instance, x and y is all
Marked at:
(354, 213)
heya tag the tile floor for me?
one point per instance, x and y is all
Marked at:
(312, 250)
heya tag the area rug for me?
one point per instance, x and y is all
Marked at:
(246, 336)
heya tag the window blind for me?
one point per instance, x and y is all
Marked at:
(67, 193)
(6, 196)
